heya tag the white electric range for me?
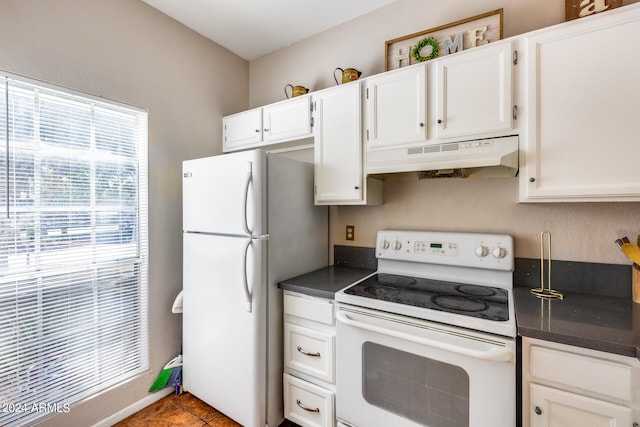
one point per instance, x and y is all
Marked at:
(429, 339)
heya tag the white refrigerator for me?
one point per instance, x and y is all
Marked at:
(249, 221)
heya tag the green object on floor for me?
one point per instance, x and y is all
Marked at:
(169, 374)
(161, 380)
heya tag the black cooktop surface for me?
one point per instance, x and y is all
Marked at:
(469, 300)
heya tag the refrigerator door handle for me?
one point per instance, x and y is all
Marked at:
(247, 293)
(245, 199)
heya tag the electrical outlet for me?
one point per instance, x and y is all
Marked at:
(351, 232)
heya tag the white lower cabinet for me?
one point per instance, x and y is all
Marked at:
(307, 404)
(564, 386)
(553, 407)
(309, 360)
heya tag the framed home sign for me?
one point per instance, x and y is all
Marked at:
(443, 40)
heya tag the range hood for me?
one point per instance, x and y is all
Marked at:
(478, 158)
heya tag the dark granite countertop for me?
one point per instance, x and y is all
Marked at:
(598, 322)
(350, 264)
(325, 282)
(596, 313)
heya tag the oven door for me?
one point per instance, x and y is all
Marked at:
(400, 371)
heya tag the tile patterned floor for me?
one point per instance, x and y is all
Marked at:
(181, 411)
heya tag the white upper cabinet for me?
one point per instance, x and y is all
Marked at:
(283, 121)
(474, 92)
(396, 107)
(242, 130)
(288, 119)
(338, 144)
(338, 153)
(583, 111)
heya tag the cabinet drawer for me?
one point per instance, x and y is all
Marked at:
(583, 372)
(306, 404)
(309, 351)
(309, 308)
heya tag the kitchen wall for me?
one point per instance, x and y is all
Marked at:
(127, 51)
(580, 231)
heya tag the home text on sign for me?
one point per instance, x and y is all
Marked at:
(451, 38)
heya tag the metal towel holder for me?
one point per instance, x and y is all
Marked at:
(547, 292)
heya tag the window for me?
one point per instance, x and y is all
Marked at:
(73, 247)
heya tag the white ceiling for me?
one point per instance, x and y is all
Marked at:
(253, 28)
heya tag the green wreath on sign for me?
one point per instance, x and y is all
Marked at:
(435, 48)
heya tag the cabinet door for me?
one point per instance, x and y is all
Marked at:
(396, 107)
(287, 120)
(583, 112)
(556, 408)
(474, 92)
(338, 145)
(242, 130)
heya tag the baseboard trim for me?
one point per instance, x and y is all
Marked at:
(132, 409)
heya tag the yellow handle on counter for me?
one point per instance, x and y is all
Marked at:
(632, 252)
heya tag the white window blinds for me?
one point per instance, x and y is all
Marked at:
(73, 248)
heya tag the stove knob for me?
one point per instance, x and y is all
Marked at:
(397, 245)
(482, 251)
(499, 252)
(386, 244)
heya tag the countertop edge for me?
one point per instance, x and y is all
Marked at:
(592, 344)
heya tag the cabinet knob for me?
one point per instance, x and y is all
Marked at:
(257, 130)
(356, 187)
(532, 179)
(266, 130)
(538, 410)
(439, 121)
(421, 125)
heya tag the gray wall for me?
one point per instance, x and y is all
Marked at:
(127, 51)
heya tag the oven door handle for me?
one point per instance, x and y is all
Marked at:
(497, 355)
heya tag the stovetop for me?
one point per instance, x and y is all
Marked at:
(483, 302)
(459, 279)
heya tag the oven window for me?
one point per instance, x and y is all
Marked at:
(427, 391)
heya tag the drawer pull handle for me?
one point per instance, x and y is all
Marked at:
(308, 354)
(305, 408)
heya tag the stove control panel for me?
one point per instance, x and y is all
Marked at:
(435, 248)
(492, 251)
